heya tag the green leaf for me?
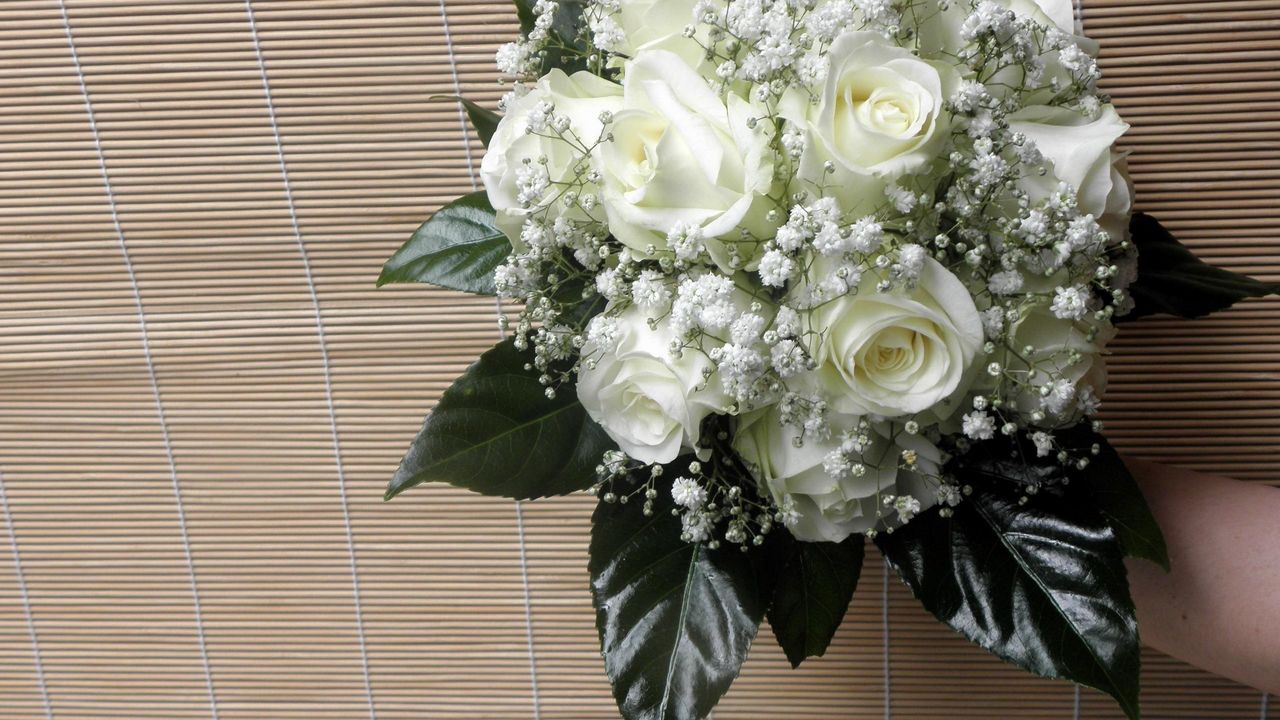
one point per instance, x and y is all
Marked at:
(495, 432)
(1041, 585)
(1173, 281)
(580, 299)
(1008, 463)
(676, 619)
(814, 590)
(565, 31)
(1120, 500)
(1011, 465)
(524, 11)
(459, 247)
(484, 120)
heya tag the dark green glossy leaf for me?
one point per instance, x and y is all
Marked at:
(1012, 465)
(582, 302)
(1041, 585)
(676, 619)
(524, 11)
(814, 590)
(496, 432)
(484, 120)
(1122, 504)
(1173, 281)
(1009, 464)
(566, 28)
(459, 247)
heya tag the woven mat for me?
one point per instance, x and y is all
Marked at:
(202, 394)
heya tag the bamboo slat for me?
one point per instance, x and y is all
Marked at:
(202, 394)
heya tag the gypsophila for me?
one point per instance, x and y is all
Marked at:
(817, 290)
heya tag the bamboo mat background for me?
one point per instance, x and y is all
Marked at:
(202, 395)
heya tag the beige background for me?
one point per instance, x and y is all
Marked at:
(202, 394)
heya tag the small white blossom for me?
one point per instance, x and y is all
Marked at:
(1005, 282)
(829, 19)
(787, 358)
(512, 280)
(739, 367)
(611, 284)
(830, 240)
(836, 464)
(1082, 232)
(812, 68)
(687, 242)
(1043, 442)
(793, 142)
(532, 181)
(865, 235)
(688, 493)
(650, 290)
(988, 18)
(1033, 226)
(746, 329)
(790, 238)
(786, 322)
(695, 527)
(515, 58)
(988, 168)
(1070, 303)
(907, 507)
(775, 268)
(904, 201)
(1059, 395)
(949, 495)
(1089, 402)
(911, 257)
(969, 96)
(607, 34)
(823, 211)
(979, 426)
(790, 515)
(981, 126)
(1073, 58)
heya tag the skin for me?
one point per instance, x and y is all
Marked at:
(1219, 608)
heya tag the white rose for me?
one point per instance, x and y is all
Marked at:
(1119, 207)
(901, 352)
(880, 113)
(659, 25)
(819, 507)
(1052, 341)
(940, 36)
(940, 29)
(681, 156)
(581, 98)
(650, 403)
(1054, 13)
(1081, 152)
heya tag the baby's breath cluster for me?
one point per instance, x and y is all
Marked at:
(712, 507)
(860, 236)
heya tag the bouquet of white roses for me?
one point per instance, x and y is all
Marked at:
(797, 273)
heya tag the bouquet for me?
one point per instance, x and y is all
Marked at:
(797, 274)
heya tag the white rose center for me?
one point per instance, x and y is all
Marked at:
(877, 101)
(895, 349)
(889, 112)
(648, 420)
(637, 140)
(893, 357)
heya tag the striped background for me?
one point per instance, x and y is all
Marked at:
(202, 395)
